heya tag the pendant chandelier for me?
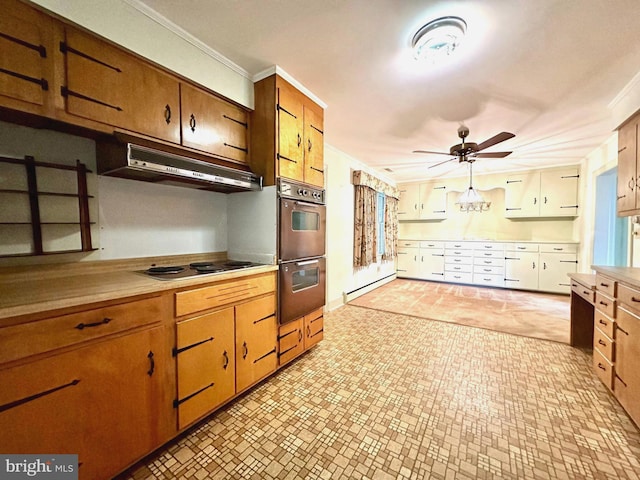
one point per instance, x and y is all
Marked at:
(471, 200)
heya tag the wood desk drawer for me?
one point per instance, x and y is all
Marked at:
(630, 297)
(603, 368)
(605, 304)
(584, 292)
(604, 323)
(24, 340)
(606, 285)
(224, 293)
(603, 344)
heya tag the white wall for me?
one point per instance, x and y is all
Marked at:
(341, 277)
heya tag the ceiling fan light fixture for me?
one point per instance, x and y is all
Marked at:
(438, 39)
(471, 200)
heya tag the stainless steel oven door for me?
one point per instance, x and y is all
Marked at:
(302, 229)
(302, 288)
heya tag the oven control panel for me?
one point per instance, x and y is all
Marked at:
(300, 191)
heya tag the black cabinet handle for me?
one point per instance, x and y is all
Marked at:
(309, 145)
(634, 299)
(604, 303)
(299, 335)
(601, 342)
(167, 114)
(152, 364)
(299, 140)
(192, 123)
(226, 359)
(602, 322)
(82, 326)
(245, 350)
(601, 367)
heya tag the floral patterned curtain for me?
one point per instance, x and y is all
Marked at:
(364, 239)
(390, 228)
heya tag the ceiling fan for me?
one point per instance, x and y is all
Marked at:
(469, 151)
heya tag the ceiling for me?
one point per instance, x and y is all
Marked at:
(545, 70)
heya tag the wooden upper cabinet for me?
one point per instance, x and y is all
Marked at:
(214, 125)
(314, 145)
(287, 137)
(26, 65)
(627, 191)
(107, 85)
(290, 154)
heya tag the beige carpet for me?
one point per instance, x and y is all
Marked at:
(531, 314)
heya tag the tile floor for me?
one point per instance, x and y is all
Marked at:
(388, 396)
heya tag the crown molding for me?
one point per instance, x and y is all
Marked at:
(186, 36)
(275, 69)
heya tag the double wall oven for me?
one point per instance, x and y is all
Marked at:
(301, 249)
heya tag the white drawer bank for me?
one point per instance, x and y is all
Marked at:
(541, 266)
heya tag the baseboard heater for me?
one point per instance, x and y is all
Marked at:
(348, 296)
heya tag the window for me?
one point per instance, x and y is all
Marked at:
(380, 222)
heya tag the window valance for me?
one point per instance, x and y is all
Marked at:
(361, 177)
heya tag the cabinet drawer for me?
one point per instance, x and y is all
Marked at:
(458, 260)
(489, 262)
(458, 277)
(489, 254)
(522, 247)
(459, 245)
(606, 285)
(605, 304)
(492, 280)
(487, 269)
(630, 297)
(604, 323)
(313, 328)
(223, 293)
(458, 253)
(494, 247)
(455, 267)
(432, 244)
(603, 344)
(408, 243)
(290, 341)
(584, 292)
(559, 248)
(603, 368)
(20, 341)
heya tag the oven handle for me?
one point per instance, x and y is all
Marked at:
(308, 204)
(308, 262)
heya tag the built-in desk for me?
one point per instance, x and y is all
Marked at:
(583, 291)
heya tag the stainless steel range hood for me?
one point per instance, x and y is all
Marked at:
(137, 162)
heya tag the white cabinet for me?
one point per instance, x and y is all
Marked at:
(488, 264)
(431, 260)
(422, 201)
(521, 266)
(556, 262)
(458, 262)
(547, 193)
(408, 262)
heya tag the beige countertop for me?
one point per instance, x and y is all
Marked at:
(628, 275)
(587, 280)
(28, 295)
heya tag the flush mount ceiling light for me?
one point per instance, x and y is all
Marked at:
(438, 39)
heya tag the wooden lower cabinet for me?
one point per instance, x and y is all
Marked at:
(205, 356)
(256, 341)
(106, 402)
(290, 341)
(627, 374)
(313, 328)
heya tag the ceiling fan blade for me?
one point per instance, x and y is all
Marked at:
(492, 154)
(501, 137)
(442, 163)
(427, 151)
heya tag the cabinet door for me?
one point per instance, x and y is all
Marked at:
(290, 133)
(313, 145)
(627, 375)
(213, 125)
(521, 195)
(106, 402)
(96, 76)
(433, 200)
(409, 202)
(627, 146)
(256, 341)
(431, 264)
(24, 56)
(521, 270)
(206, 364)
(554, 271)
(408, 262)
(290, 341)
(313, 328)
(559, 193)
